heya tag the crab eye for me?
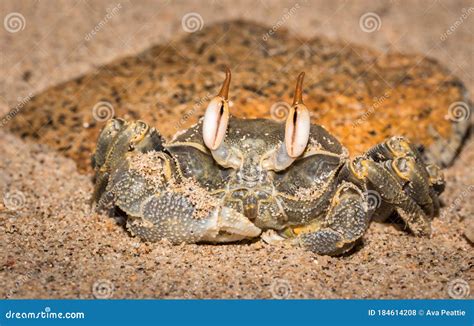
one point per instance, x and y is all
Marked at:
(297, 131)
(215, 121)
(298, 123)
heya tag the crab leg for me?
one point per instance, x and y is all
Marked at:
(423, 183)
(345, 223)
(415, 183)
(378, 178)
(398, 146)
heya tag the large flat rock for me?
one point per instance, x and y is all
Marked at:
(361, 95)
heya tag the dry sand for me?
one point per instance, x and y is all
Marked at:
(53, 246)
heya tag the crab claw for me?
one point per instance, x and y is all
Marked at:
(216, 117)
(298, 123)
(227, 225)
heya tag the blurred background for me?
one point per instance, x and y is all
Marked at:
(43, 43)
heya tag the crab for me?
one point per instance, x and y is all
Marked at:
(229, 179)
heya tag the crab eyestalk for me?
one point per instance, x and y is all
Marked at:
(214, 127)
(297, 128)
(298, 123)
(216, 118)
